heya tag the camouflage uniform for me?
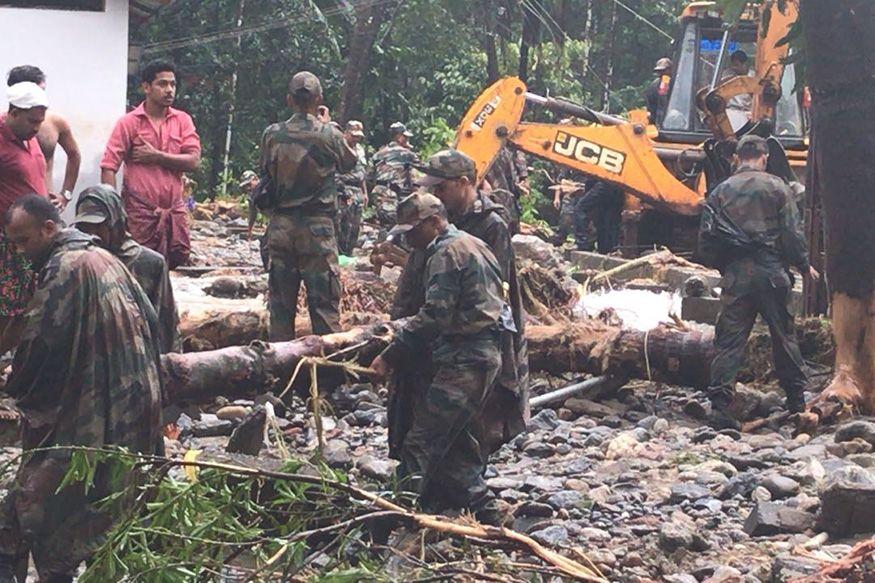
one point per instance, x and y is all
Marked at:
(86, 373)
(758, 281)
(460, 321)
(351, 202)
(505, 176)
(603, 203)
(301, 156)
(101, 203)
(392, 178)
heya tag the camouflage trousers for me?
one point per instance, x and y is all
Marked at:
(573, 219)
(302, 249)
(441, 457)
(59, 529)
(736, 320)
(349, 220)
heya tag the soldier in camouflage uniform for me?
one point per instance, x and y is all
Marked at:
(352, 193)
(451, 176)
(391, 173)
(101, 212)
(86, 373)
(460, 322)
(767, 240)
(301, 157)
(508, 180)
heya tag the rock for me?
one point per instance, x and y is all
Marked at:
(746, 403)
(232, 412)
(760, 494)
(595, 534)
(849, 447)
(535, 250)
(847, 503)
(552, 535)
(770, 518)
(780, 487)
(248, 437)
(703, 434)
(211, 426)
(858, 429)
(377, 469)
(680, 578)
(590, 408)
(725, 575)
(545, 420)
(691, 492)
(674, 536)
(623, 446)
(542, 483)
(503, 483)
(864, 460)
(740, 486)
(787, 567)
(711, 505)
(535, 510)
(279, 406)
(336, 454)
(812, 450)
(538, 449)
(567, 499)
(576, 485)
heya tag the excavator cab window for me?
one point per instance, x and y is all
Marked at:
(697, 56)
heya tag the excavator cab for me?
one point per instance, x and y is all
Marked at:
(703, 61)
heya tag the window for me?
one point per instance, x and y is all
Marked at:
(86, 5)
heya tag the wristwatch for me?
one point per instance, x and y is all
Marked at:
(68, 195)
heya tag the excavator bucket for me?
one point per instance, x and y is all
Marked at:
(490, 121)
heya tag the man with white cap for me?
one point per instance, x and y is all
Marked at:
(22, 171)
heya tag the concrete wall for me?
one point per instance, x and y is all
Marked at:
(85, 58)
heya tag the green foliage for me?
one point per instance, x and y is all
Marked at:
(428, 62)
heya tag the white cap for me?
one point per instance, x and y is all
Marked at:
(27, 95)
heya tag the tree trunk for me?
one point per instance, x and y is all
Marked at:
(666, 354)
(489, 47)
(367, 24)
(531, 28)
(609, 70)
(840, 42)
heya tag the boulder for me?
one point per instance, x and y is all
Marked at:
(770, 518)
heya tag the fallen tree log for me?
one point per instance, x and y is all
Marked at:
(665, 353)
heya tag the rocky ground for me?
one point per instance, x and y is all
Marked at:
(633, 478)
(637, 481)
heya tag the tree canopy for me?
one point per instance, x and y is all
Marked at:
(380, 61)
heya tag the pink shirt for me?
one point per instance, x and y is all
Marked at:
(177, 135)
(22, 167)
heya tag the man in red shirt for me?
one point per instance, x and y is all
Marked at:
(157, 144)
(22, 171)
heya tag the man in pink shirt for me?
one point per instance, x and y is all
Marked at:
(157, 144)
(22, 171)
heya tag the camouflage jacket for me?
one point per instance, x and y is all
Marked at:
(301, 156)
(392, 165)
(487, 221)
(463, 294)
(87, 369)
(763, 207)
(150, 270)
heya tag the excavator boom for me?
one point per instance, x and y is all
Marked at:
(611, 149)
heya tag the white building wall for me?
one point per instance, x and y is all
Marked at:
(85, 58)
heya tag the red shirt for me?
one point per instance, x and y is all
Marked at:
(157, 215)
(177, 135)
(22, 167)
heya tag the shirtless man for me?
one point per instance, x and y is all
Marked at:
(54, 131)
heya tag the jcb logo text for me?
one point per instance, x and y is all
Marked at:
(589, 153)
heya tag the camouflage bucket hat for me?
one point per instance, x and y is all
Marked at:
(414, 209)
(446, 165)
(355, 128)
(247, 178)
(400, 128)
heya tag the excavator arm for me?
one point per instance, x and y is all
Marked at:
(611, 149)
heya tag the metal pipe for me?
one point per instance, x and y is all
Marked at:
(569, 391)
(566, 107)
(723, 45)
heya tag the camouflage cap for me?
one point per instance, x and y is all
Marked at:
(98, 204)
(752, 145)
(446, 165)
(355, 128)
(400, 128)
(305, 82)
(248, 178)
(414, 209)
(663, 64)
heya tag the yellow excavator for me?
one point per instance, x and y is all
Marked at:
(667, 168)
